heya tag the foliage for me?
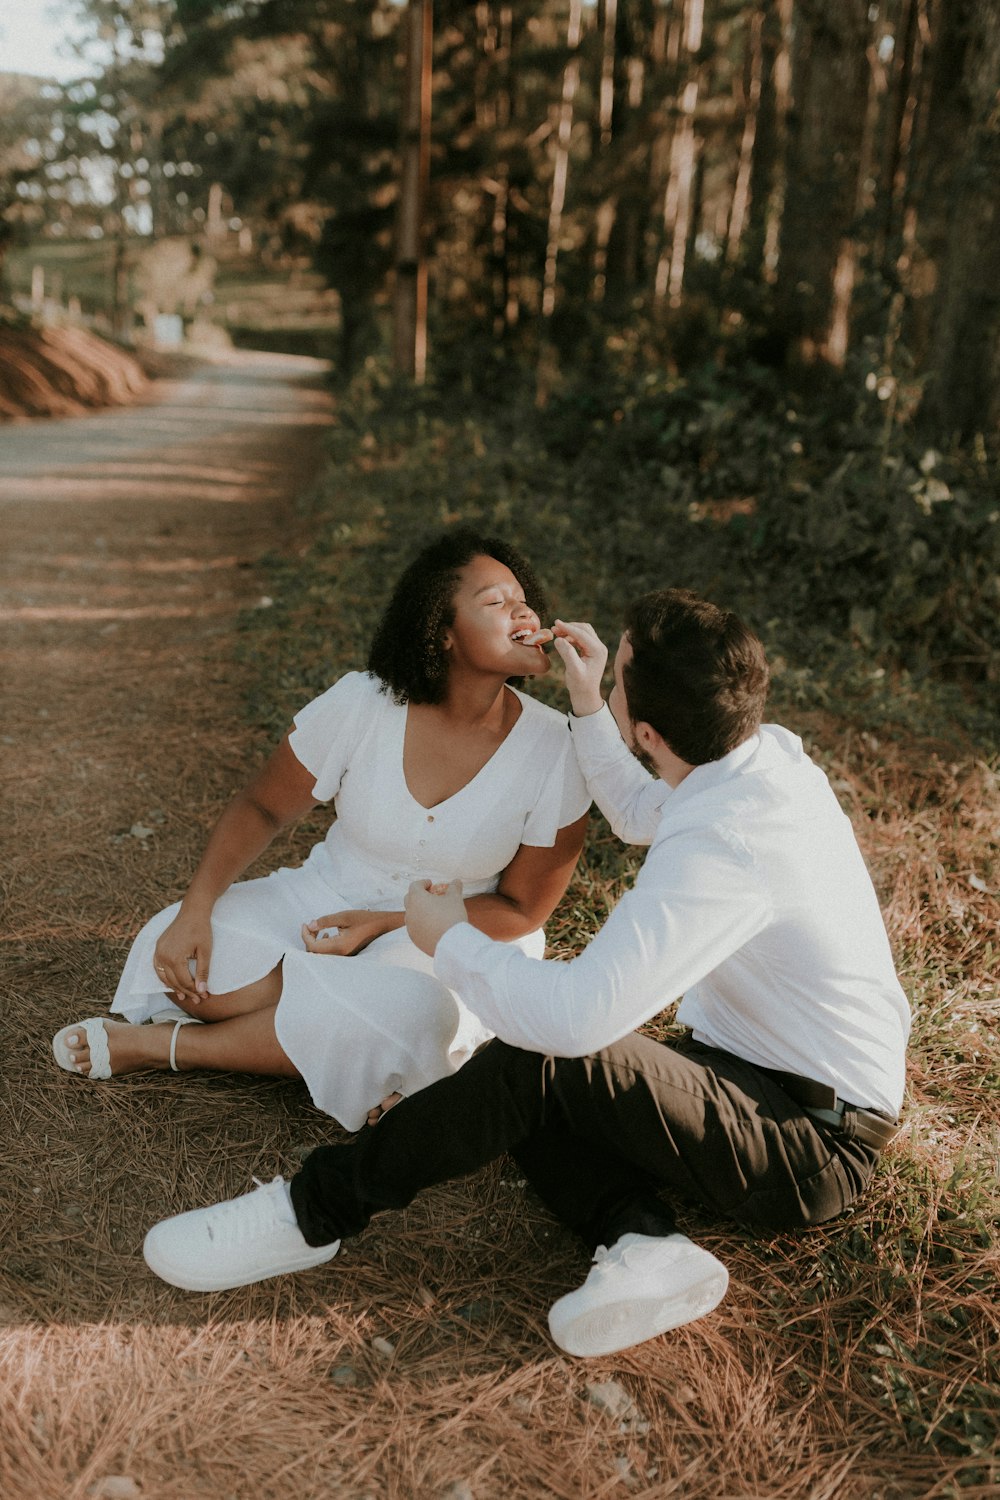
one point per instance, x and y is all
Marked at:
(593, 167)
(871, 567)
(24, 106)
(831, 524)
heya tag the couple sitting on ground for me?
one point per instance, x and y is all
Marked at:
(753, 904)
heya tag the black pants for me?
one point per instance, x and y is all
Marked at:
(597, 1138)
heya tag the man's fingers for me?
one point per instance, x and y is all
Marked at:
(567, 650)
(582, 635)
(421, 888)
(423, 893)
(580, 665)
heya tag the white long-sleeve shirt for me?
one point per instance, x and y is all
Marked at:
(753, 904)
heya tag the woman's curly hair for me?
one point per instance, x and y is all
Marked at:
(407, 651)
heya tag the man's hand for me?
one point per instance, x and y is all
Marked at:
(431, 910)
(584, 656)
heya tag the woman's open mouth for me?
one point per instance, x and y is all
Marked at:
(535, 638)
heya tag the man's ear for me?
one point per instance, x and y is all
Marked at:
(669, 766)
(646, 737)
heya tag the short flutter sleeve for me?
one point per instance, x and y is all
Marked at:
(562, 795)
(327, 731)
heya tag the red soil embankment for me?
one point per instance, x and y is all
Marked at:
(63, 372)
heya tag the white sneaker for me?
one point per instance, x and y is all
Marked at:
(639, 1288)
(231, 1244)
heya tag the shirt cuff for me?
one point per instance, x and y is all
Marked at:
(587, 723)
(598, 737)
(460, 949)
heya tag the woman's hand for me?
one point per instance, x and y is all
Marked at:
(584, 655)
(187, 940)
(348, 932)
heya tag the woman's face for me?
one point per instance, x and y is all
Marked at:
(490, 616)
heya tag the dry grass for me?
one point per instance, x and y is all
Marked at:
(855, 1362)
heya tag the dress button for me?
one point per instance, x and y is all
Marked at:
(430, 817)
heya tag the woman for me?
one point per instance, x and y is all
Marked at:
(438, 767)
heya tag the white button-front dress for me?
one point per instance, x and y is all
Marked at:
(362, 1027)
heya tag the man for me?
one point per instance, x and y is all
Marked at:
(753, 903)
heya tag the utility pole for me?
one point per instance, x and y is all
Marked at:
(410, 304)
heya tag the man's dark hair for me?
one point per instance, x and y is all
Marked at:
(407, 650)
(698, 675)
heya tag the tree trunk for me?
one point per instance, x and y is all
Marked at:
(963, 397)
(606, 95)
(773, 200)
(560, 171)
(494, 110)
(677, 200)
(826, 132)
(410, 309)
(622, 215)
(851, 248)
(740, 206)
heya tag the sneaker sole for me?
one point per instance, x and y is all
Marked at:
(621, 1325)
(188, 1283)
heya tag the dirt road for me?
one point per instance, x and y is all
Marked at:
(130, 544)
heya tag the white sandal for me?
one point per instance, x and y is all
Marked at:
(94, 1029)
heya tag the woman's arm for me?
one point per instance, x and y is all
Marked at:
(280, 793)
(530, 888)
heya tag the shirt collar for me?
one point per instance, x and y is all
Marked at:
(714, 772)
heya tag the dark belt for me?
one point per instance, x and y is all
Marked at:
(820, 1101)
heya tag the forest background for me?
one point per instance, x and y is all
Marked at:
(746, 252)
(687, 291)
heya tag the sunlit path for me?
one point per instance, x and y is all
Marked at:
(229, 401)
(130, 544)
(117, 516)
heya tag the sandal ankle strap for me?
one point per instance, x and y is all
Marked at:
(173, 1046)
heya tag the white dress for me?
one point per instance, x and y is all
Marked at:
(359, 1028)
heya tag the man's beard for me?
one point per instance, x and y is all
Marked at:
(646, 761)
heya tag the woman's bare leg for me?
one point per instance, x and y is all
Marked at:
(243, 1044)
(263, 994)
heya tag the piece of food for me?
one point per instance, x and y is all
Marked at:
(540, 637)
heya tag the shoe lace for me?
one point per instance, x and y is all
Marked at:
(618, 1256)
(607, 1259)
(244, 1218)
